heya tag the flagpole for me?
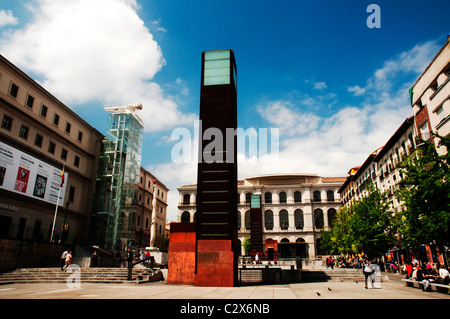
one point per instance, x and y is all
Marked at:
(56, 212)
(57, 202)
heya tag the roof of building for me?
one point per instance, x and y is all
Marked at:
(286, 176)
(395, 137)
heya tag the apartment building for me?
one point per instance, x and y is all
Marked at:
(430, 97)
(149, 188)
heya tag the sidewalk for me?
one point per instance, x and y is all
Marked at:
(394, 289)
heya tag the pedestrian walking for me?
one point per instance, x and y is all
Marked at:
(367, 271)
(94, 259)
(68, 260)
(63, 259)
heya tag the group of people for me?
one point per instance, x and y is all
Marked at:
(427, 273)
(346, 262)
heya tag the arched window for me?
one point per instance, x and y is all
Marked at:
(284, 248)
(298, 219)
(247, 220)
(297, 197)
(248, 198)
(319, 249)
(316, 196)
(331, 216)
(131, 220)
(301, 248)
(238, 224)
(186, 199)
(283, 197)
(268, 198)
(268, 220)
(284, 219)
(318, 218)
(185, 217)
(330, 196)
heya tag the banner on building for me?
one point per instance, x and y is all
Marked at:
(24, 174)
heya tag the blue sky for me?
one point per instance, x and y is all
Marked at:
(335, 88)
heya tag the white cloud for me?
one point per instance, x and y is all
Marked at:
(413, 61)
(95, 51)
(330, 146)
(356, 90)
(7, 18)
(284, 115)
(320, 85)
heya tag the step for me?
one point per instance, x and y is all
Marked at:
(87, 275)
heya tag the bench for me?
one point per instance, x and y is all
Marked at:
(438, 287)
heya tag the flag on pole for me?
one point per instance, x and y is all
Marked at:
(62, 176)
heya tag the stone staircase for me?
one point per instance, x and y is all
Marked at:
(87, 275)
(336, 275)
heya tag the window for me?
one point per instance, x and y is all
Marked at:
(80, 136)
(56, 119)
(64, 154)
(30, 101)
(248, 198)
(68, 127)
(238, 224)
(186, 199)
(247, 220)
(51, 147)
(331, 216)
(76, 161)
(7, 122)
(44, 110)
(424, 131)
(268, 220)
(298, 219)
(71, 194)
(318, 218)
(440, 113)
(38, 140)
(268, 198)
(316, 196)
(185, 217)
(284, 219)
(330, 196)
(13, 90)
(23, 133)
(297, 197)
(283, 197)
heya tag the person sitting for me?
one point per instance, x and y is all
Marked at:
(443, 276)
(428, 276)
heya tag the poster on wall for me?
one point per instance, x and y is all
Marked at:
(24, 174)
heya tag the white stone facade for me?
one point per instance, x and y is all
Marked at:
(289, 216)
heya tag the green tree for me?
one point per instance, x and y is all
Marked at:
(365, 227)
(370, 223)
(338, 240)
(247, 245)
(425, 193)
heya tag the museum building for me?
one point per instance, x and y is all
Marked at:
(39, 138)
(293, 210)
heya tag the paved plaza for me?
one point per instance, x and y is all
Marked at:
(393, 289)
